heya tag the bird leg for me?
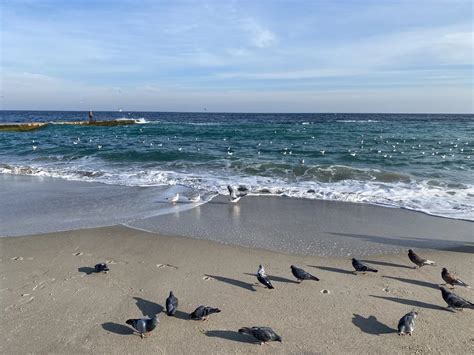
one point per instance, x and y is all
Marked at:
(142, 335)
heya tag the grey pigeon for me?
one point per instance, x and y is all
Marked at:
(143, 325)
(101, 267)
(455, 301)
(451, 279)
(235, 196)
(203, 312)
(301, 275)
(263, 278)
(171, 304)
(406, 324)
(417, 260)
(361, 267)
(262, 334)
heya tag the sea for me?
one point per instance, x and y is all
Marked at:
(421, 162)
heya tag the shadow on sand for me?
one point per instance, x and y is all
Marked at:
(148, 308)
(86, 270)
(275, 278)
(231, 335)
(333, 269)
(414, 303)
(234, 282)
(414, 282)
(117, 328)
(371, 325)
(384, 263)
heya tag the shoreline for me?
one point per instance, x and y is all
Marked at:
(47, 294)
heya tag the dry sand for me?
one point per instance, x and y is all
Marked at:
(50, 304)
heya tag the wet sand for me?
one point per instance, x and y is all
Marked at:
(50, 304)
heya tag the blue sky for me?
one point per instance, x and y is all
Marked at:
(244, 56)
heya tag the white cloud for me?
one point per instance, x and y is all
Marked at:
(260, 37)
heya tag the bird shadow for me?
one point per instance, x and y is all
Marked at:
(413, 303)
(371, 325)
(148, 308)
(414, 282)
(234, 282)
(333, 269)
(383, 263)
(117, 328)
(86, 270)
(230, 335)
(276, 278)
(182, 315)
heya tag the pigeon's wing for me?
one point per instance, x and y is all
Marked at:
(262, 333)
(263, 279)
(140, 325)
(171, 305)
(402, 322)
(458, 301)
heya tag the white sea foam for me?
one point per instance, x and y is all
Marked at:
(424, 196)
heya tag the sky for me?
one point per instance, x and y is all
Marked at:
(237, 56)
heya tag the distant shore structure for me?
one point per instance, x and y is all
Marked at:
(29, 126)
(91, 116)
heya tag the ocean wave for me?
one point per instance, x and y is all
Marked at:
(440, 199)
(357, 121)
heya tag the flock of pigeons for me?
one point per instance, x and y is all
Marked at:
(406, 325)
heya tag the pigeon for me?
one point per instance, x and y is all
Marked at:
(262, 334)
(361, 267)
(203, 312)
(143, 325)
(171, 304)
(406, 325)
(301, 275)
(451, 279)
(101, 267)
(233, 195)
(173, 199)
(263, 278)
(455, 301)
(417, 260)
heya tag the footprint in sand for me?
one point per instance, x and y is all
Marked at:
(77, 254)
(159, 266)
(17, 258)
(207, 278)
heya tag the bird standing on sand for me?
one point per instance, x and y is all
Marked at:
(302, 275)
(143, 325)
(203, 312)
(233, 195)
(171, 304)
(174, 198)
(361, 267)
(101, 267)
(262, 334)
(263, 278)
(406, 325)
(451, 279)
(453, 300)
(417, 260)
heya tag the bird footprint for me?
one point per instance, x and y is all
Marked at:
(207, 278)
(77, 254)
(16, 258)
(165, 265)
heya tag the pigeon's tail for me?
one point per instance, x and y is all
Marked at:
(214, 310)
(371, 269)
(130, 322)
(462, 283)
(245, 330)
(314, 278)
(270, 286)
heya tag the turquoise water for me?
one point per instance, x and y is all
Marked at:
(420, 162)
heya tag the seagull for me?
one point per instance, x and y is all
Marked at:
(173, 199)
(34, 147)
(406, 325)
(322, 152)
(143, 325)
(195, 199)
(301, 275)
(455, 301)
(263, 278)
(451, 279)
(361, 267)
(262, 334)
(234, 197)
(417, 260)
(203, 312)
(171, 304)
(101, 267)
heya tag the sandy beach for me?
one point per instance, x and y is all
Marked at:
(50, 304)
